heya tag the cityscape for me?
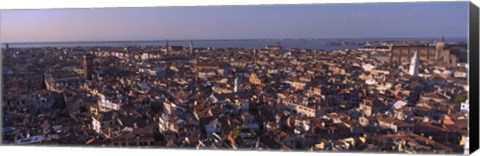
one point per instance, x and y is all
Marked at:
(395, 96)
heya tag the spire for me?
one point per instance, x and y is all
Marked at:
(443, 38)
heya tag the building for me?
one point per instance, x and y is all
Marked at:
(414, 65)
(441, 53)
(167, 46)
(134, 137)
(376, 48)
(61, 80)
(190, 47)
(274, 47)
(371, 107)
(236, 84)
(102, 122)
(111, 102)
(88, 66)
(156, 71)
(254, 79)
(207, 66)
(301, 107)
(464, 107)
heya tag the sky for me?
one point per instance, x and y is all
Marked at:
(372, 20)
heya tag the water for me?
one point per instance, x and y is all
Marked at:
(248, 44)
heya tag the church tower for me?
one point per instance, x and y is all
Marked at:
(190, 47)
(167, 47)
(439, 47)
(88, 66)
(414, 65)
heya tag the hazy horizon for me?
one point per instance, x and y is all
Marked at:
(302, 21)
(246, 39)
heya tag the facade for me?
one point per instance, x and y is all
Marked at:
(413, 71)
(102, 122)
(109, 103)
(60, 81)
(441, 53)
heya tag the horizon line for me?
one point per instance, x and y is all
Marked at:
(156, 40)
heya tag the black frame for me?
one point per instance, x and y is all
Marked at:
(474, 78)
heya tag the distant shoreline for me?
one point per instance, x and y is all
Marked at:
(259, 39)
(314, 44)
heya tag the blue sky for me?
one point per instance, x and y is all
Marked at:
(430, 19)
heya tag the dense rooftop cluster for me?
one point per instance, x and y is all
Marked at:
(233, 98)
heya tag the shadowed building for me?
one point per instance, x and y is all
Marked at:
(88, 66)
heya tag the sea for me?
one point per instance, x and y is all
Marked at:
(315, 44)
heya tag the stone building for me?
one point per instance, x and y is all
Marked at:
(442, 53)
